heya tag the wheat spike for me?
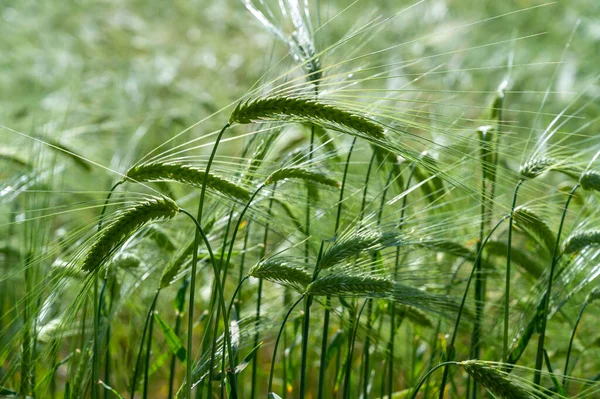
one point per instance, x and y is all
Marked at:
(535, 226)
(350, 285)
(302, 174)
(304, 110)
(354, 245)
(536, 167)
(280, 272)
(126, 261)
(124, 225)
(158, 171)
(500, 384)
(581, 239)
(590, 180)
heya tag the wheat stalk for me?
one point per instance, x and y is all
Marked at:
(304, 110)
(124, 225)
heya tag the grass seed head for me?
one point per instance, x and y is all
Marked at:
(350, 285)
(581, 239)
(125, 224)
(500, 384)
(159, 171)
(590, 180)
(281, 272)
(304, 110)
(302, 174)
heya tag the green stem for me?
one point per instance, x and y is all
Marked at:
(566, 370)
(148, 352)
(326, 316)
(305, 329)
(183, 288)
(422, 381)
(450, 353)
(508, 268)
(348, 365)
(540, 350)
(141, 349)
(221, 303)
(274, 357)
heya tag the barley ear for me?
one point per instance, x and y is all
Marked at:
(499, 383)
(590, 180)
(350, 285)
(125, 224)
(281, 272)
(581, 239)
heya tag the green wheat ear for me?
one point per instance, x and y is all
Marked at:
(355, 245)
(499, 383)
(536, 167)
(581, 239)
(302, 174)
(160, 171)
(590, 180)
(350, 285)
(535, 226)
(281, 272)
(304, 110)
(125, 224)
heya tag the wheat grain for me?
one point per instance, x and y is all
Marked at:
(124, 225)
(305, 110)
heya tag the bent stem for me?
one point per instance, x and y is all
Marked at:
(450, 353)
(305, 329)
(422, 381)
(508, 267)
(274, 357)
(566, 370)
(540, 350)
(326, 317)
(221, 303)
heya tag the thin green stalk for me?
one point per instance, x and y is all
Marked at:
(349, 353)
(183, 288)
(422, 381)
(393, 305)
(274, 356)
(566, 369)
(305, 329)
(148, 353)
(188, 372)
(326, 316)
(141, 349)
(450, 353)
(480, 277)
(508, 270)
(544, 317)
(259, 291)
(221, 301)
(97, 305)
(107, 341)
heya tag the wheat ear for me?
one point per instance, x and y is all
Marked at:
(499, 383)
(159, 171)
(302, 174)
(536, 167)
(304, 110)
(124, 225)
(281, 272)
(590, 180)
(581, 239)
(350, 285)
